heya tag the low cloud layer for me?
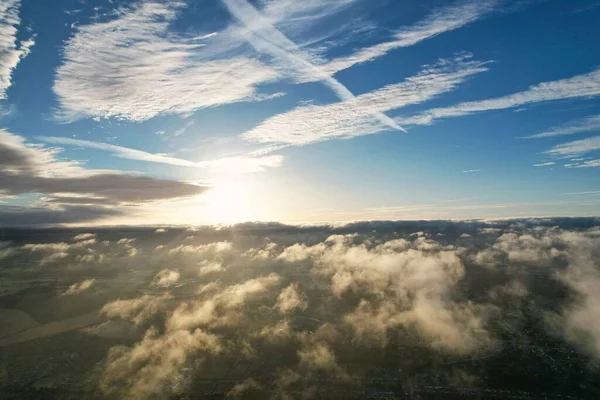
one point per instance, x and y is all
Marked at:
(273, 311)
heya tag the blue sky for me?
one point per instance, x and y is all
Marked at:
(119, 112)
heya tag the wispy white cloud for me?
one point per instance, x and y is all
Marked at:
(120, 151)
(585, 164)
(441, 20)
(546, 164)
(579, 86)
(468, 171)
(592, 192)
(302, 14)
(313, 123)
(291, 299)
(165, 278)
(12, 51)
(227, 164)
(303, 21)
(459, 200)
(587, 7)
(576, 147)
(266, 38)
(587, 124)
(182, 130)
(132, 67)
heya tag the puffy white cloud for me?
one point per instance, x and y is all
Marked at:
(318, 357)
(206, 267)
(57, 251)
(351, 265)
(377, 290)
(62, 246)
(541, 247)
(84, 236)
(279, 333)
(451, 327)
(514, 289)
(165, 278)
(222, 307)
(137, 310)
(533, 248)
(300, 252)
(47, 246)
(412, 283)
(80, 287)
(154, 366)
(526, 248)
(210, 249)
(127, 245)
(261, 254)
(581, 323)
(291, 299)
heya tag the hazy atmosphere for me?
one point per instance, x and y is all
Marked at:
(300, 199)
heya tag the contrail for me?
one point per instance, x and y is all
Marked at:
(249, 161)
(265, 38)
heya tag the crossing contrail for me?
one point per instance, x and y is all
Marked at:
(266, 38)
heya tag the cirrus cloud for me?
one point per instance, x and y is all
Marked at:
(155, 73)
(12, 50)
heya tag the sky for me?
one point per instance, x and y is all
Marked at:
(224, 111)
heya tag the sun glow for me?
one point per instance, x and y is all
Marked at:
(225, 202)
(232, 200)
(229, 199)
